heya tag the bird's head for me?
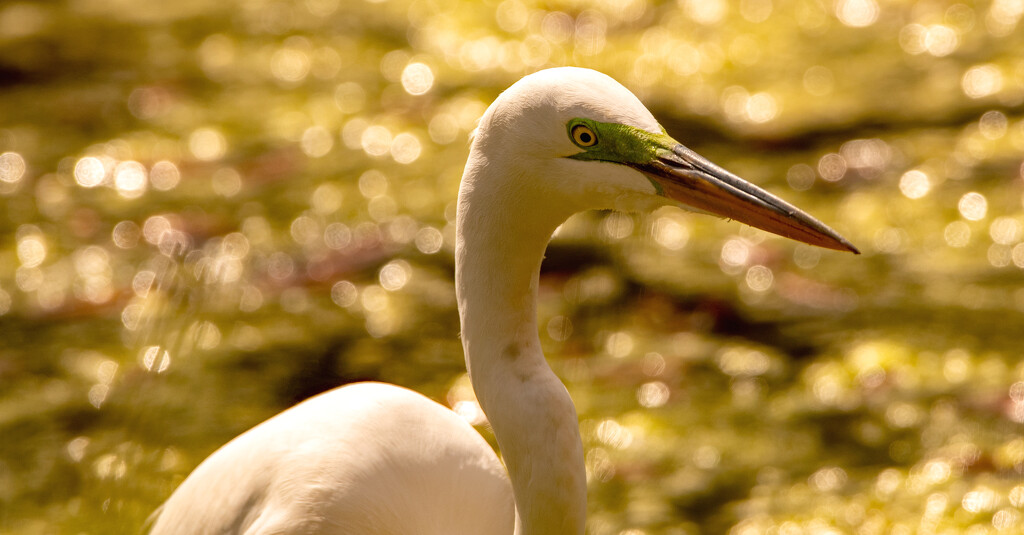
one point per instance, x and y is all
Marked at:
(571, 139)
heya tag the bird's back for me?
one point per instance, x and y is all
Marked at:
(367, 458)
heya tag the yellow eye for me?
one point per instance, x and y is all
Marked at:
(583, 136)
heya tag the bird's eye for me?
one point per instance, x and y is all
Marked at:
(583, 136)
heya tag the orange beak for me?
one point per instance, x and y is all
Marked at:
(694, 181)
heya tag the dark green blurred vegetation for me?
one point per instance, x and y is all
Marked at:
(212, 210)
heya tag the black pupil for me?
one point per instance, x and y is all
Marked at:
(584, 137)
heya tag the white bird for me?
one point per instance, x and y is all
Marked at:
(373, 458)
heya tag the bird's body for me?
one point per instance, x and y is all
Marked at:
(557, 142)
(368, 458)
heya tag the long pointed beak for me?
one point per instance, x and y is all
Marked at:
(693, 180)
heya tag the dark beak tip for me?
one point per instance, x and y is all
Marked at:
(846, 247)
(831, 241)
(826, 238)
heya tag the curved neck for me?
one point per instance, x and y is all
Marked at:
(498, 251)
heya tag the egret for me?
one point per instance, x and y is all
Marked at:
(372, 458)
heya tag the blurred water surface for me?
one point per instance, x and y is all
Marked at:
(212, 210)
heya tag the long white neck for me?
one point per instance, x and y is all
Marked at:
(499, 248)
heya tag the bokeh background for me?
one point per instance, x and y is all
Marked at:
(212, 210)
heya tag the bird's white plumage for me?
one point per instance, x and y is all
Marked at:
(368, 458)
